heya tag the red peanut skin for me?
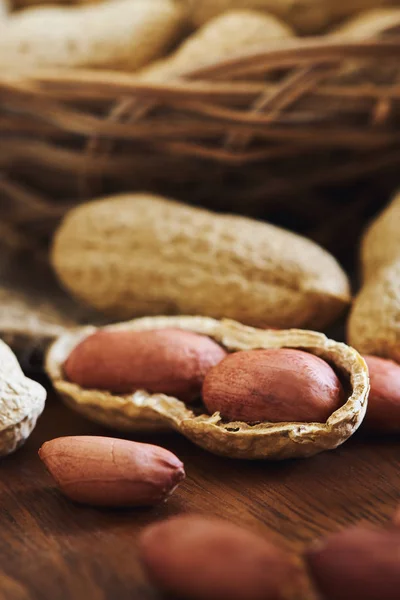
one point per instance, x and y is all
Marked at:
(396, 518)
(276, 385)
(358, 564)
(383, 412)
(111, 472)
(166, 361)
(203, 558)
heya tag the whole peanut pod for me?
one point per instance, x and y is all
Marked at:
(199, 558)
(226, 35)
(165, 361)
(116, 34)
(357, 564)
(104, 471)
(373, 324)
(306, 16)
(140, 254)
(370, 23)
(21, 402)
(4, 10)
(275, 385)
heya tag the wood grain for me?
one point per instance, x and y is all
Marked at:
(52, 549)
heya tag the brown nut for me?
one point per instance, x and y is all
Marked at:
(139, 254)
(273, 385)
(199, 558)
(383, 412)
(167, 361)
(114, 34)
(144, 411)
(373, 324)
(111, 472)
(396, 518)
(230, 33)
(358, 564)
(21, 402)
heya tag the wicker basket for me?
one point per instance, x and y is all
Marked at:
(305, 134)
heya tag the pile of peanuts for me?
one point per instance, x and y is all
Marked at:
(135, 254)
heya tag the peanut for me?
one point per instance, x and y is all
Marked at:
(370, 23)
(21, 402)
(168, 361)
(357, 564)
(143, 411)
(373, 324)
(4, 10)
(199, 558)
(275, 385)
(306, 16)
(383, 412)
(117, 34)
(139, 254)
(230, 33)
(110, 472)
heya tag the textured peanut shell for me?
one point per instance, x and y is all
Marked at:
(228, 34)
(134, 255)
(4, 10)
(21, 402)
(141, 411)
(306, 16)
(370, 23)
(118, 34)
(374, 326)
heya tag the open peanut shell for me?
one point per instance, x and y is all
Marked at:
(142, 411)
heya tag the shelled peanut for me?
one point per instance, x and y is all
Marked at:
(226, 35)
(111, 472)
(383, 414)
(360, 562)
(218, 382)
(198, 558)
(139, 254)
(258, 385)
(273, 385)
(115, 34)
(168, 361)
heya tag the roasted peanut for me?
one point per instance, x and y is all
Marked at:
(167, 361)
(199, 558)
(359, 563)
(383, 413)
(275, 385)
(139, 254)
(110, 472)
(396, 518)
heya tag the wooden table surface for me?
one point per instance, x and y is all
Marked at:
(52, 549)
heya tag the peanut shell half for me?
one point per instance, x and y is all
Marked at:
(21, 402)
(141, 411)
